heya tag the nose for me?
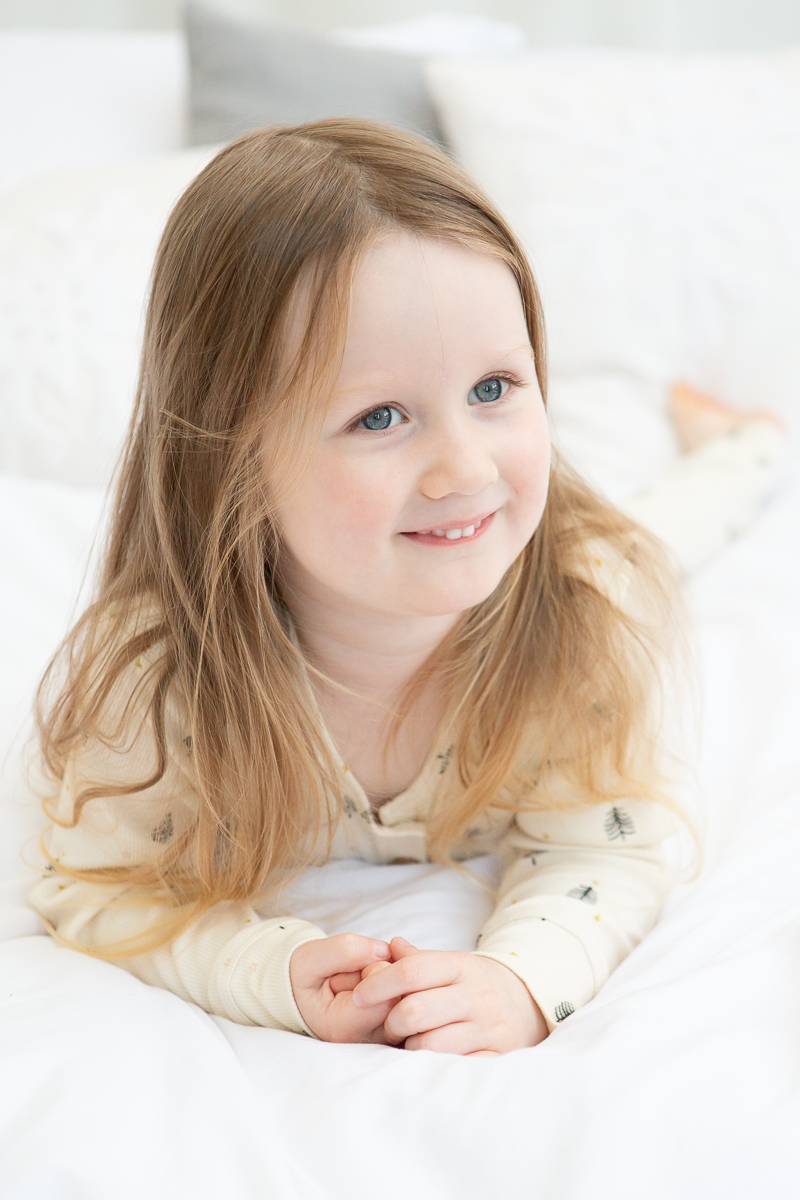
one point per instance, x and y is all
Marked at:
(458, 461)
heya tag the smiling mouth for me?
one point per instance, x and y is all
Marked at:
(453, 535)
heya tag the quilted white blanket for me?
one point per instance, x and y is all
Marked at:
(678, 1080)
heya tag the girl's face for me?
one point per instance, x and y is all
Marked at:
(431, 471)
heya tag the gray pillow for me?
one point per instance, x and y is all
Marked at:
(244, 75)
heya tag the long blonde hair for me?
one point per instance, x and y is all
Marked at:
(548, 670)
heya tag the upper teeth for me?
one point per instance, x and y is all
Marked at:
(451, 534)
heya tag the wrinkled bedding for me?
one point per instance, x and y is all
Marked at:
(679, 1079)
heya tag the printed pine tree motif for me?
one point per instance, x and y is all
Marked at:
(535, 855)
(349, 807)
(164, 831)
(618, 825)
(563, 1010)
(584, 892)
(444, 759)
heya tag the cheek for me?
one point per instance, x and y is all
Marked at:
(528, 472)
(343, 510)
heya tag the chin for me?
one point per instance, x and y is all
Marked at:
(446, 602)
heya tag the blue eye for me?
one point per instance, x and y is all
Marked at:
(381, 418)
(488, 390)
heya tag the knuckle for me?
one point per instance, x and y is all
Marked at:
(410, 971)
(411, 1011)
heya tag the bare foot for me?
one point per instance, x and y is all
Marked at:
(698, 418)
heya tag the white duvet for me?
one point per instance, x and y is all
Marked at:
(679, 1080)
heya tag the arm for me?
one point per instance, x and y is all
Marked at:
(230, 961)
(584, 889)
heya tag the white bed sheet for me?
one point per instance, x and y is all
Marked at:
(679, 1080)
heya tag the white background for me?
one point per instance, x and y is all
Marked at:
(648, 24)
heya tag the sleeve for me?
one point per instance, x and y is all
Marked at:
(231, 962)
(586, 882)
(584, 889)
(714, 494)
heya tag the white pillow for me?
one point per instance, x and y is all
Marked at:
(84, 97)
(76, 250)
(659, 197)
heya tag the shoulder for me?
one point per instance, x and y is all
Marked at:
(127, 666)
(613, 568)
(121, 622)
(131, 721)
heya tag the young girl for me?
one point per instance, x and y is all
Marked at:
(349, 608)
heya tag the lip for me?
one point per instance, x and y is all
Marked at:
(429, 539)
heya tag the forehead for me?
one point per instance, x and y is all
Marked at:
(421, 298)
(405, 282)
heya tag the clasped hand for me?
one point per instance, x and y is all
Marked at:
(355, 989)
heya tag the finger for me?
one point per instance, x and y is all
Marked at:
(343, 1022)
(420, 1011)
(345, 981)
(349, 953)
(462, 1037)
(401, 948)
(314, 962)
(418, 972)
(378, 966)
(378, 1036)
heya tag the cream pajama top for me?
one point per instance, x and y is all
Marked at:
(582, 884)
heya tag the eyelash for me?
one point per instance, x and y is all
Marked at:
(506, 376)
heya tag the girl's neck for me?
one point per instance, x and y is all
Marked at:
(370, 659)
(374, 655)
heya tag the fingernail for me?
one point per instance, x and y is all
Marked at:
(359, 1003)
(402, 941)
(381, 950)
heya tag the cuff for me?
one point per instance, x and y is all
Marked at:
(258, 979)
(551, 961)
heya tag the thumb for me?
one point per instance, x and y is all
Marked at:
(317, 960)
(400, 948)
